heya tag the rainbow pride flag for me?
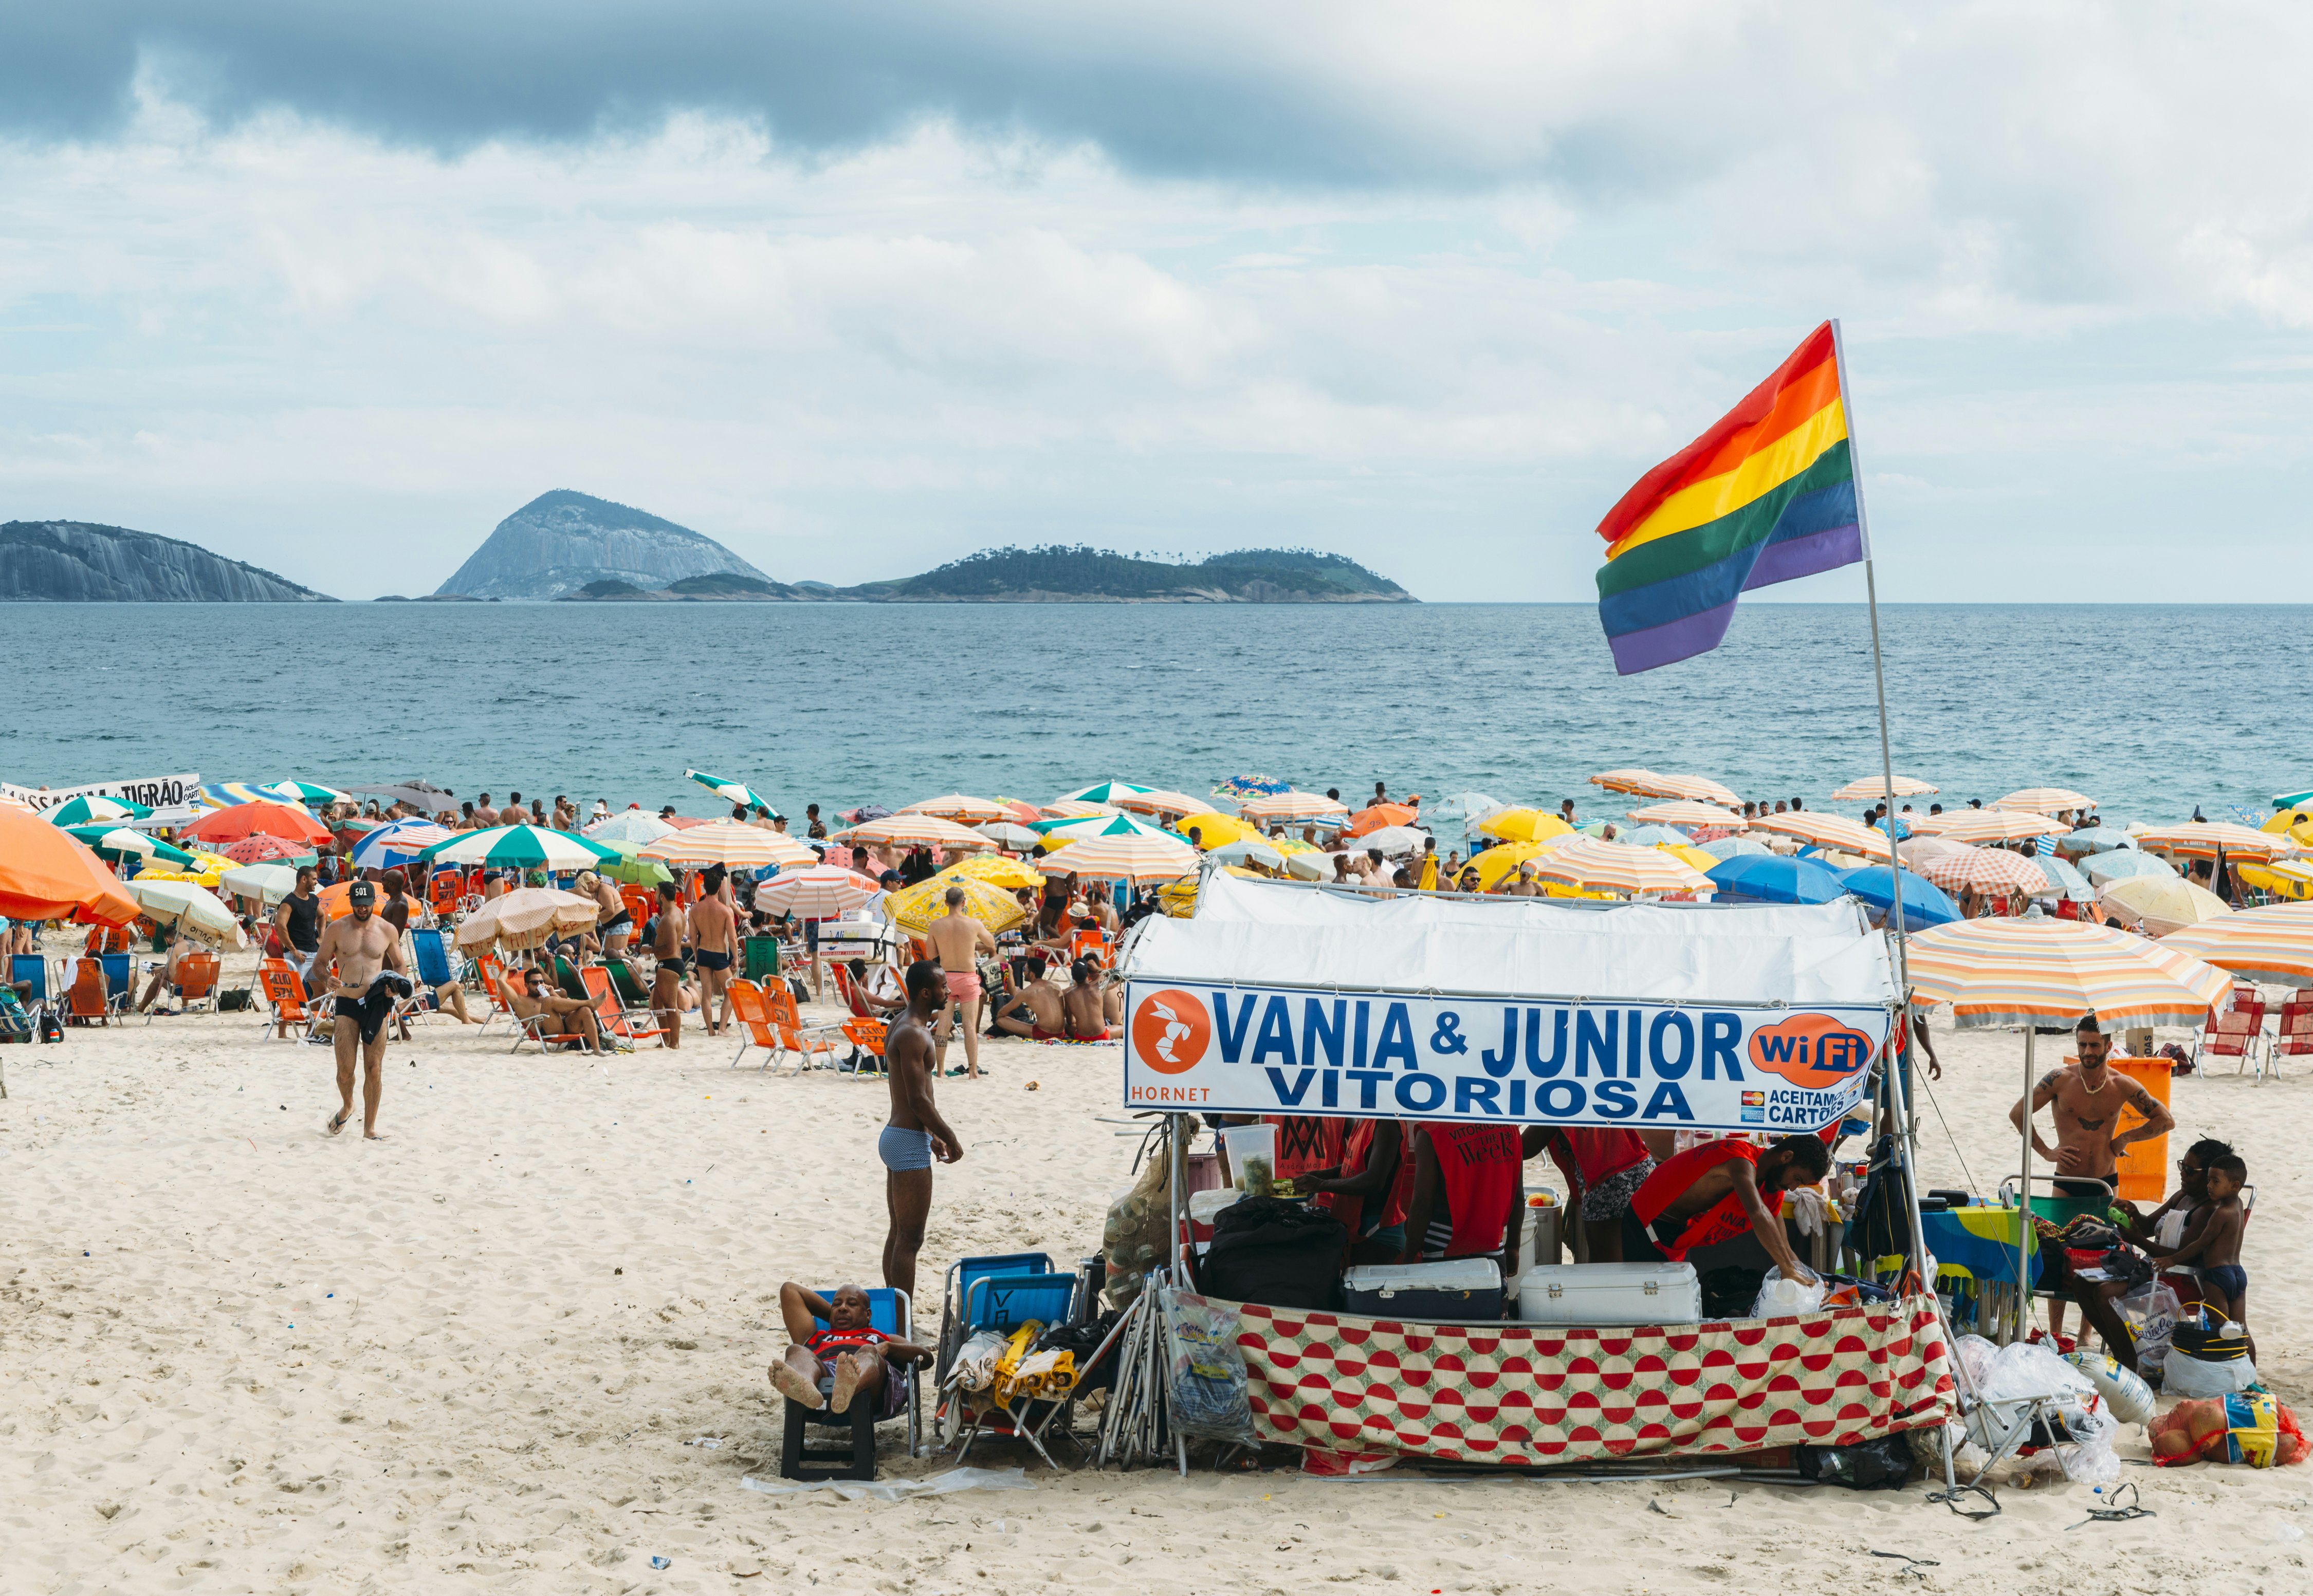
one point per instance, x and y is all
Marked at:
(1767, 495)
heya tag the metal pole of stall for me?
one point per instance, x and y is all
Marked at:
(2024, 1196)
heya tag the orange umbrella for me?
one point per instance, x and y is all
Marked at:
(221, 826)
(46, 874)
(1375, 816)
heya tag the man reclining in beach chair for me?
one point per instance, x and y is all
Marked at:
(551, 1016)
(827, 1368)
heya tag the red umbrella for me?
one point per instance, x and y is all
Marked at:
(683, 822)
(259, 847)
(46, 872)
(250, 819)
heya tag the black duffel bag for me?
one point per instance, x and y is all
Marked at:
(1266, 1249)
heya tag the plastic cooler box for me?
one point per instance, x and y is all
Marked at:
(1611, 1294)
(1459, 1288)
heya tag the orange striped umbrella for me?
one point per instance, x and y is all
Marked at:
(1164, 802)
(962, 810)
(1686, 812)
(2045, 801)
(2201, 839)
(1131, 857)
(1631, 779)
(746, 848)
(1872, 788)
(1291, 806)
(1960, 868)
(1076, 809)
(1988, 825)
(907, 831)
(2051, 972)
(1827, 831)
(1651, 784)
(2272, 945)
(1619, 867)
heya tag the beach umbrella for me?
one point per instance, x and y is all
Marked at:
(2202, 839)
(914, 910)
(1827, 831)
(2291, 878)
(46, 874)
(1291, 805)
(816, 892)
(267, 818)
(1735, 847)
(1651, 784)
(1088, 825)
(1025, 814)
(2067, 881)
(2157, 907)
(1241, 787)
(518, 847)
(633, 871)
(1496, 865)
(192, 909)
(1071, 809)
(864, 813)
(1871, 789)
(1128, 857)
(1110, 792)
(1770, 879)
(1006, 834)
(306, 791)
(736, 846)
(1988, 825)
(1465, 806)
(118, 842)
(2272, 944)
(955, 806)
(631, 825)
(1925, 903)
(1523, 825)
(398, 844)
(1213, 828)
(1650, 836)
(259, 848)
(996, 871)
(1985, 870)
(417, 794)
(267, 883)
(1686, 812)
(1630, 779)
(2123, 865)
(526, 917)
(2044, 800)
(906, 830)
(2093, 839)
(1162, 801)
(1917, 851)
(1375, 816)
(1394, 840)
(1691, 854)
(1618, 867)
(731, 792)
(1249, 850)
(1312, 866)
(226, 794)
(88, 809)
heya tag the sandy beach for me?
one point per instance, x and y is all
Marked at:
(489, 1352)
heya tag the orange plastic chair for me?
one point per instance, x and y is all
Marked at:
(196, 980)
(285, 993)
(628, 1025)
(442, 892)
(88, 1003)
(867, 1036)
(1090, 943)
(773, 1024)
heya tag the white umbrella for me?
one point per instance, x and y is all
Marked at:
(267, 883)
(525, 916)
(1392, 841)
(819, 892)
(2122, 864)
(1733, 847)
(1461, 806)
(629, 826)
(1252, 850)
(189, 906)
(1011, 834)
(1310, 867)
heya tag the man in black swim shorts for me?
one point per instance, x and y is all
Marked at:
(369, 975)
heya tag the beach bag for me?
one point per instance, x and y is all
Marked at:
(1883, 1463)
(1269, 1251)
(233, 1001)
(1881, 1226)
(52, 1026)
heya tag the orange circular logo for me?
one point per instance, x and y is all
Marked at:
(1171, 1031)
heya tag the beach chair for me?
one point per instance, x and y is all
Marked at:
(195, 982)
(32, 970)
(1089, 943)
(866, 1037)
(537, 1028)
(429, 955)
(285, 993)
(890, 1311)
(1004, 1303)
(119, 982)
(86, 1004)
(769, 1020)
(2292, 1036)
(567, 976)
(620, 1022)
(2235, 1031)
(629, 986)
(963, 1275)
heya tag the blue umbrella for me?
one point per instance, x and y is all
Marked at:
(1772, 880)
(1647, 836)
(2068, 881)
(397, 844)
(1925, 904)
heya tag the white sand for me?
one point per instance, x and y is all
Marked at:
(239, 1356)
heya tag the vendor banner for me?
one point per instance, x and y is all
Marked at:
(153, 792)
(1256, 1050)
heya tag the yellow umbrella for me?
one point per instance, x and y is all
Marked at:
(1215, 829)
(2288, 878)
(1524, 825)
(1705, 862)
(1495, 863)
(1179, 898)
(996, 871)
(915, 909)
(2160, 904)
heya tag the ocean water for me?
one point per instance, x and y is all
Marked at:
(2150, 709)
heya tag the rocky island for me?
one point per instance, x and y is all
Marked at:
(80, 562)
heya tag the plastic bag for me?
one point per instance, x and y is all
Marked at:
(1780, 1298)
(2185, 1376)
(2151, 1313)
(1206, 1383)
(2023, 1369)
(1133, 1239)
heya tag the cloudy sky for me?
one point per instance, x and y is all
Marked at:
(857, 289)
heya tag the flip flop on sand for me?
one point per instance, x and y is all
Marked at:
(338, 1122)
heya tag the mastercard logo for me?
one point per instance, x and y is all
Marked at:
(1811, 1050)
(1171, 1031)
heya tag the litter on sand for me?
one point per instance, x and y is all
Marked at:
(893, 1490)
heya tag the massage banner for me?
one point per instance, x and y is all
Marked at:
(1255, 1050)
(153, 792)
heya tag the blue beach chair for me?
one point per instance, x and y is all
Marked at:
(432, 957)
(119, 982)
(33, 970)
(890, 1311)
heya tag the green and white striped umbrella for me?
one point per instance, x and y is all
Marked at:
(308, 792)
(519, 847)
(1056, 832)
(81, 810)
(731, 792)
(118, 842)
(1107, 791)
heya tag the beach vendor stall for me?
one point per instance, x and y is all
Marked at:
(1447, 1013)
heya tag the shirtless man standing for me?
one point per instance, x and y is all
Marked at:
(666, 947)
(370, 975)
(957, 938)
(714, 944)
(916, 1133)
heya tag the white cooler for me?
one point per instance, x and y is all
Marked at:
(1611, 1294)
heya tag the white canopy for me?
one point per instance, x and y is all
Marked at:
(1266, 934)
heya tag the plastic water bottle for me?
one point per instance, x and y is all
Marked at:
(2126, 1395)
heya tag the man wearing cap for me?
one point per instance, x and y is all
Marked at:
(369, 978)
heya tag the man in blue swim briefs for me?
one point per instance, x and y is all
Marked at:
(916, 1133)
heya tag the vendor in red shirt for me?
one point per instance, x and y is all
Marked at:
(1603, 1166)
(1465, 1190)
(1713, 1193)
(1369, 1192)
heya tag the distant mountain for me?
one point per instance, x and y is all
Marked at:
(80, 562)
(1059, 575)
(561, 541)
